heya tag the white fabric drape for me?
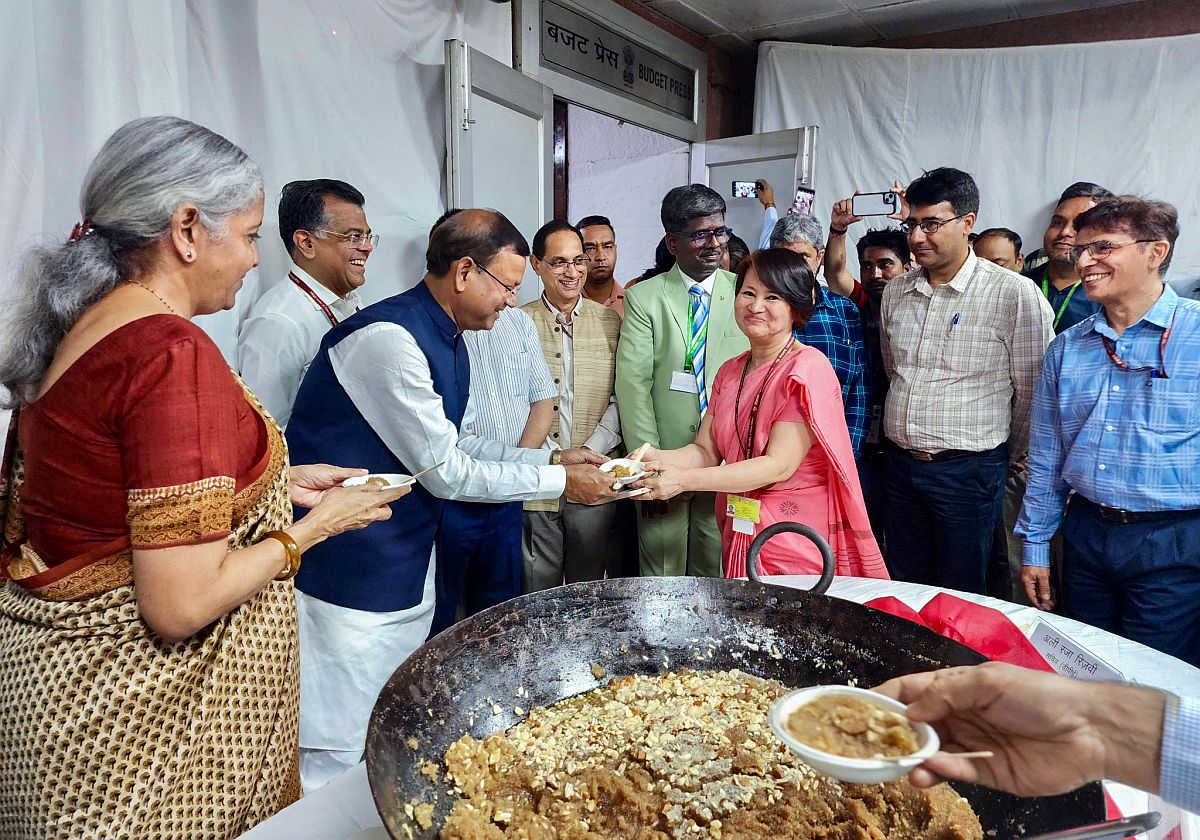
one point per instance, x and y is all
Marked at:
(310, 88)
(1024, 121)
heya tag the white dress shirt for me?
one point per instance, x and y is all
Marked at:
(607, 435)
(280, 337)
(508, 375)
(962, 358)
(387, 377)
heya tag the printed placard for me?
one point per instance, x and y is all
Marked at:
(1070, 658)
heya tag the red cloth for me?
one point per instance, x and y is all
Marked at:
(823, 493)
(980, 628)
(151, 405)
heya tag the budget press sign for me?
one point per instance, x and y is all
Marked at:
(581, 46)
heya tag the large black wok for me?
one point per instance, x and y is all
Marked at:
(545, 643)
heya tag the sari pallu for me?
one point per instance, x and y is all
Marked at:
(823, 493)
(106, 731)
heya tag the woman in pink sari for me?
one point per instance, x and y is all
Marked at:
(774, 444)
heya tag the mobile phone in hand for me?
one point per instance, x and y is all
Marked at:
(875, 204)
(745, 189)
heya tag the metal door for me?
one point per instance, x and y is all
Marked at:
(499, 140)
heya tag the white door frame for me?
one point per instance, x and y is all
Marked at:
(797, 143)
(471, 73)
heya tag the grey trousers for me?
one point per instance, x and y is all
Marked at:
(572, 544)
(1014, 496)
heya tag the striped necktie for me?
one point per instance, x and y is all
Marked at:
(699, 321)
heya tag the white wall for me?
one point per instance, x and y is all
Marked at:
(349, 90)
(622, 171)
(1024, 121)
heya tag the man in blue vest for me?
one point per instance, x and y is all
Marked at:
(388, 391)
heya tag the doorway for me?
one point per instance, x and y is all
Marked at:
(620, 170)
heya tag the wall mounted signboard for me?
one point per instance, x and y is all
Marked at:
(579, 45)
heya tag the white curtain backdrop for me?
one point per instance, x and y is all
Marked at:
(1024, 121)
(310, 88)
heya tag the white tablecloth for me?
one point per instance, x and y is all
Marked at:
(344, 810)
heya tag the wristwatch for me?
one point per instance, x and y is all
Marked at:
(555, 456)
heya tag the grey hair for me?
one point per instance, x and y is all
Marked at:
(142, 174)
(797, 227)
(693, 201)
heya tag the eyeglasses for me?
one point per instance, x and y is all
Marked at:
(701, 237)
(560, 265)
(928, 226)
(1100, 249)
(355, 239)
(512, 290)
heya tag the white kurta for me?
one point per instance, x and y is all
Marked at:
(347, 655)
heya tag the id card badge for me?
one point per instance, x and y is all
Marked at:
(745, 513)
(682, 380)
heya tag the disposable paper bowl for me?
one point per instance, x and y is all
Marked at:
(861, 770)
(393, 479)
(625, 462)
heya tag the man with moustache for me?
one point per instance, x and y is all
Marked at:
(962, 343)
(1116, 440)
(600, 248)
(567, 542)
(1057, 278)
(324, 226)
(388, 391)
(678, 331)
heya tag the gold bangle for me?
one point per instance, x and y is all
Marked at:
(291, 549)
(555, 457)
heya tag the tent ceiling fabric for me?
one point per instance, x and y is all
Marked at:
(848, 22)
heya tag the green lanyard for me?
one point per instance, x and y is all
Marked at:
(1067, 302)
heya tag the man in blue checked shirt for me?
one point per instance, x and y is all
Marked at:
(1115, 440)
(835, 327)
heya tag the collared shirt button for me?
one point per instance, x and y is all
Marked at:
(1103, 466)
(1109, 427)
(1116, 387)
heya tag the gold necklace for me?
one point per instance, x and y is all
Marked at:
(161, 300)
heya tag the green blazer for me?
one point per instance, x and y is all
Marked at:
(654, 335)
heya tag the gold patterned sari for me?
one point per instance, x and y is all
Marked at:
(107, 731)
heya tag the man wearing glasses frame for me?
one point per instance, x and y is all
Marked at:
(677, 332)
(962, 341)
(324, 227)
(1116, 440)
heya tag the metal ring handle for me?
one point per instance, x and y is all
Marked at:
(827, 564)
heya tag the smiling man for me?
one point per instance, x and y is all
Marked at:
(388, 391)
(566, 542)
(1116, 420)
(962, 342)
(678, 331)
(1058, 279)
(324, 227)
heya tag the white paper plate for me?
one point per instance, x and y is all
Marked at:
(393, 480)
(624, 462)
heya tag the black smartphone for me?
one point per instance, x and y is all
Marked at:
(745, 189)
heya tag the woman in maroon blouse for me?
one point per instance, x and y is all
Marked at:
(148, 651)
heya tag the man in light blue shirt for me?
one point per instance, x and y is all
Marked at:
(1116, 431)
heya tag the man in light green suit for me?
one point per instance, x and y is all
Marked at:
(678, 331)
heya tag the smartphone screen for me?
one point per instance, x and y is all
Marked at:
(803, 204)
(745, 189)
(875, 204)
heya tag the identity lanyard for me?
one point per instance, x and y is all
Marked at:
(747, 445)
(1063, 306)
(333, 321)
(1160, 373)
(696, 341)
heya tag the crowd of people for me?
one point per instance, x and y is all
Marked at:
(204, 624)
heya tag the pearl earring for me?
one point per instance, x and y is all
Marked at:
(188, 256)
